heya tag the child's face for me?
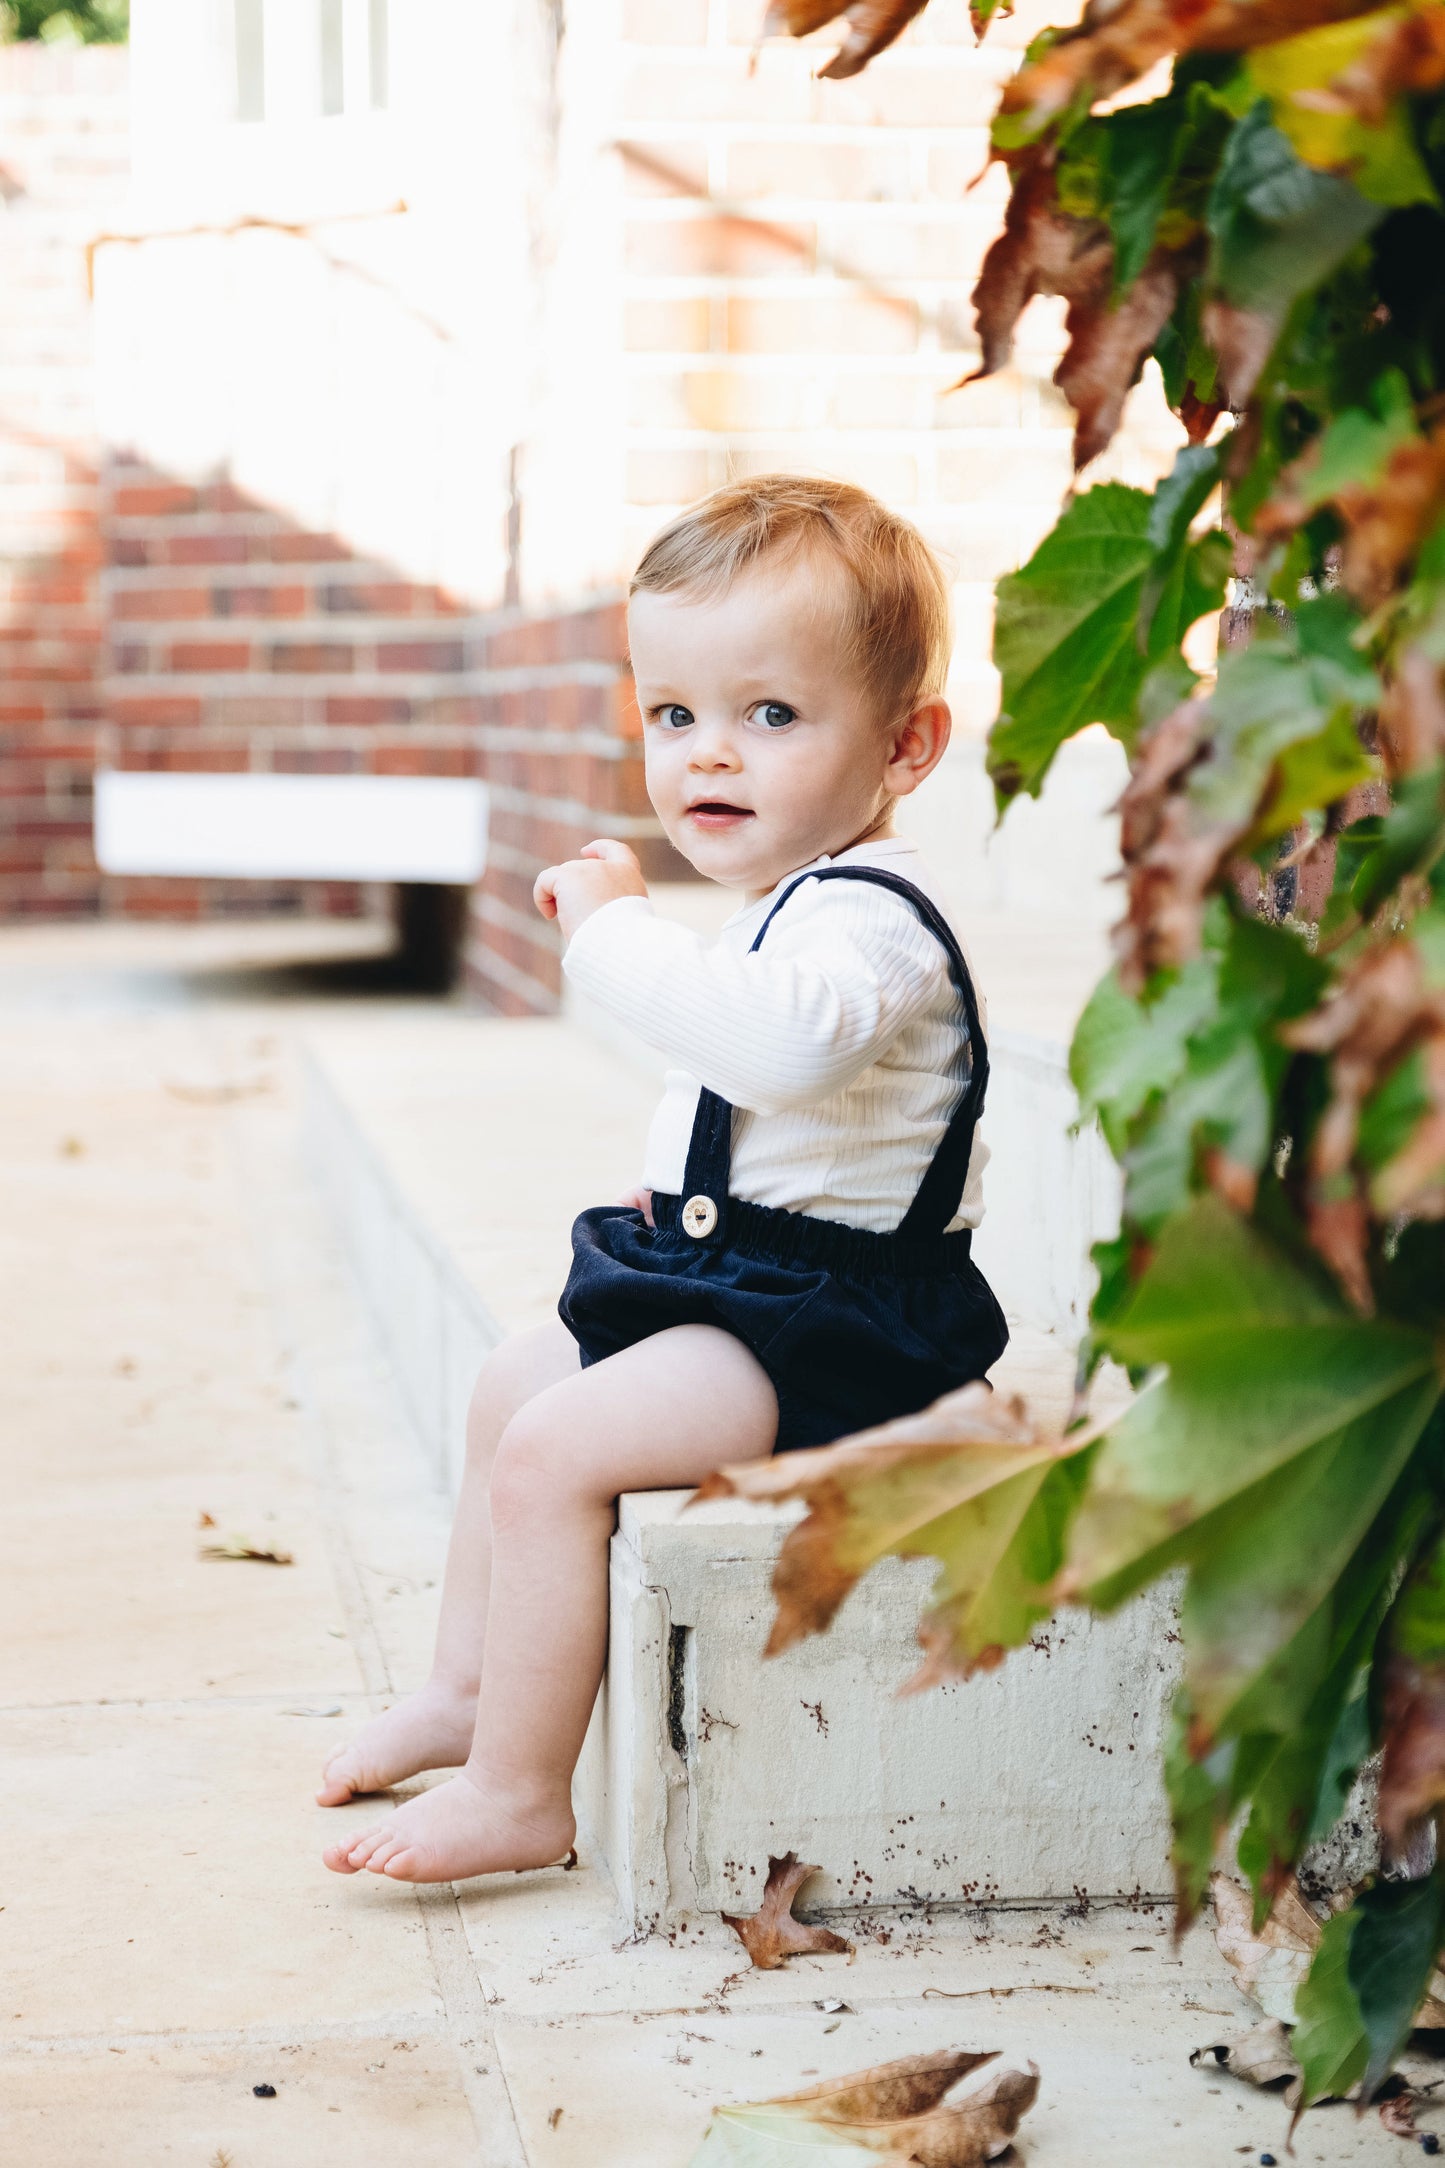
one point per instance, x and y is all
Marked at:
(763, 751)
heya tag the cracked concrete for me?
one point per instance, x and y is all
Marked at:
(178, 1339)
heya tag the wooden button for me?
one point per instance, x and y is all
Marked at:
(699, 1217)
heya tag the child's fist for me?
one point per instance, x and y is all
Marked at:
(572, 892)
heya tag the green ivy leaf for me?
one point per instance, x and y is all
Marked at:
(1381, 158)
(1126, 1049)
(1067, 630)
(1278, 227)
(1144, 145)
(1329, 2038)
(1390, 1963)
(1263, 1364)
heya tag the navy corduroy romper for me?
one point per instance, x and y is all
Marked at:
(853, 1327)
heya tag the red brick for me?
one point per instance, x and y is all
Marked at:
(165, 708)
(429, 655)
(264, 600)
(162, 603)
(333, 658)
(304, 549)
(209, 549)
(210, 655)
(360, 711)
(152, 500)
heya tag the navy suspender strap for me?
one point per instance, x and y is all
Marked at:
(709, 1155)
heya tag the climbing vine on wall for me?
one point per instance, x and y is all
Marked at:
(1266, 218)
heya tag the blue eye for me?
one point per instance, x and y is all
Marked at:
(674, 716)
(776, 714)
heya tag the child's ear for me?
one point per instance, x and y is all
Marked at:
(919, 744)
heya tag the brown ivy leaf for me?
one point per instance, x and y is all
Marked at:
(869, 1494)
(1243, 340)
(1384, 521)
(1044, 251)
(1412, 715)
(871, 25)
(1412, 1775)
(1172, 854)
(1397, 2114)
(771, 1935)
(1115, 44)
(1380, 1012)
(1406, 57)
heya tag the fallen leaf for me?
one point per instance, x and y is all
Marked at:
(771, 1935)
(72, 1148)
(1260, 2056)
(241, 1547)
(219, 1095)
(897, 2110)
(1267, 1966)
(871, 25)
(330, 1708)
(206, 1520)
(1397, 2114)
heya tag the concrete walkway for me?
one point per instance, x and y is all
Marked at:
(180, 1341)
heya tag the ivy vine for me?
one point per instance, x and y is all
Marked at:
(1270, 228)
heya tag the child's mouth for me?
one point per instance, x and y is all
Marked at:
(715, 813)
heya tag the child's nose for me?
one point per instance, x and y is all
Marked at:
(712, 747)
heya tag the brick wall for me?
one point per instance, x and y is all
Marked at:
(62, 169)
(237, 640)
(560, 740)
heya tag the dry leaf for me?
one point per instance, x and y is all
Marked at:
(871, 25)
(1412, 1775)
(771, 1935)
(1381, 1011)
(869, 1494)
(1260, 2056)
(1044, 251)
(1397, 2114)
(220, 1095)
(1270, 1965)
(1172, 853)
(1384, 521)
(896, 2110)
(1407, 56)
(1115, 44)
(206, 1520)
(1412, 715)
(241, 1547)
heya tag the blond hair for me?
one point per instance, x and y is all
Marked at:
(895, 629)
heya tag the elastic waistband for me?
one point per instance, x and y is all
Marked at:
(794, 1238)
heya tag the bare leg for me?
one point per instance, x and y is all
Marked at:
(433, 1729)
(659, 1415)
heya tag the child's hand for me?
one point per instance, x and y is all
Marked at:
(572, 892)
(639, 1200)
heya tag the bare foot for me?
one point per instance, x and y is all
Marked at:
(454, 1831)
(429, 1730)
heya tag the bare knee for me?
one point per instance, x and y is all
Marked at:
(535, 1470)
(516, 1370)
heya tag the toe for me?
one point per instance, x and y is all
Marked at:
(379, 1854)
(407, 1864)
(361, 1848)
(339, 1783)
(337, 1858)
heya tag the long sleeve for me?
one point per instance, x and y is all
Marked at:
(844, 968)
